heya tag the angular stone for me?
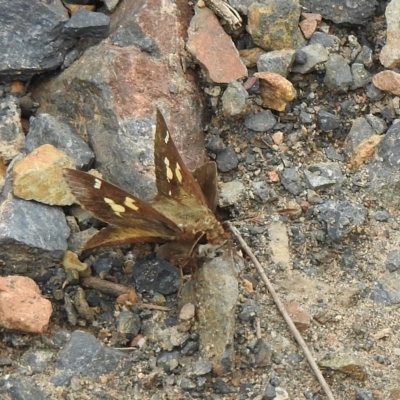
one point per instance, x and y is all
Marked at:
(388, 81)
(338, 76)
(45, 129)
(234, 99)
(276, 91)
(22, 307)
(39, 177)
(390, 53)
(85, 23)
(213, 48)
(274, 25)
(31, 39)
(278, 61)
(315, 54)
(33, 236)
(217, 297)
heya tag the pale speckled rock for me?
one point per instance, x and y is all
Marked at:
(22, 306)
(390, 54)
(213, 48)
(11, 135)
(38, 176)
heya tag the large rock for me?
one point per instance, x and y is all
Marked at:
(111, 92)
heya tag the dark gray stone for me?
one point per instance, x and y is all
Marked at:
(316, 181)
(365, 56)
(128, 323)
(234, 99)
(24, 388)
(387, 290)
(389, 147)
(264, 192)
(382, 216)
(341, 217)
(215, 144)
(269, 393)
(45, 129)
(360, 131)
(338, 76)
(84, 355)
(31, 38)
(393, 261)
(249, 312)
(227, 159)
(330, 42)
(278, 61)
(291, 181)
(361, 77)
(168, 360)
(130, 34)
(330, 171)
(363, 394)
(87, 24)
(202, 367)
(153, 274)
(342, 12)
(374, 93)
(316, 55)
(327, 121)
(378, 124)
(32, 236)
(260, 122)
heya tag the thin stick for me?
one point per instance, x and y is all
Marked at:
(115, 289)
(282, 310)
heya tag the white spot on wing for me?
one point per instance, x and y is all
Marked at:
(130, 203)
(166, 139)
(117, 208)
(97, 183)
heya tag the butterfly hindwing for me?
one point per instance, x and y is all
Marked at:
(113, 205)
(173, 179)
(116, 236)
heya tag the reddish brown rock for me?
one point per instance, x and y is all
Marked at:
(213, 48)
(309, 24)
(300, 318)
(22, 307)
(38, 176)
(276, 91)
(388, 81)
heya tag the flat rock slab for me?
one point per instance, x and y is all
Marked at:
(213, 48)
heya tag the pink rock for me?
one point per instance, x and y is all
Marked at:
(300, 318)
(388, 81)
(213, 48)
(22, 306)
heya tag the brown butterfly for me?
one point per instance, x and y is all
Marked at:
(182, 212)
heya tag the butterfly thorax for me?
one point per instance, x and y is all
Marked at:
(190, 217)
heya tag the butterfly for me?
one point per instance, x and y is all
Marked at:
(181, 214)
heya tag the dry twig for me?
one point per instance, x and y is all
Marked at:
(115, 289)
(284, 313)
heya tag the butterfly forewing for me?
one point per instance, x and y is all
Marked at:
(207, 177)
(113, 205)
(114, 236)
(173, 179)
